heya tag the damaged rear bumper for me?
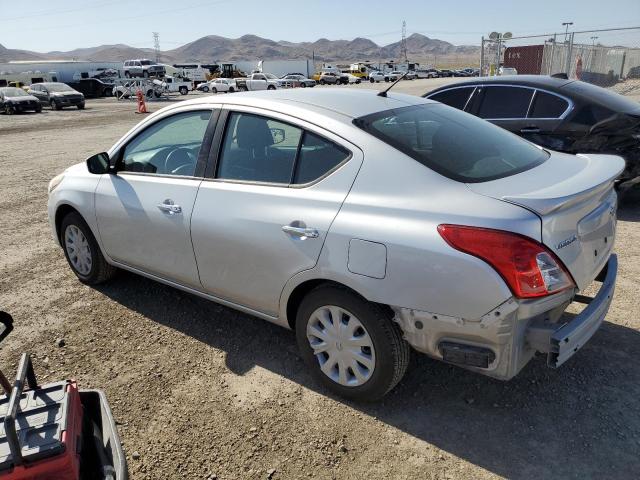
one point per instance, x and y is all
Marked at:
(502, 342)
(561, 342)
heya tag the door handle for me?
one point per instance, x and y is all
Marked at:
(301, 232)
(530, 130)
(169, 207)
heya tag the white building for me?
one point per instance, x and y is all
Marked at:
(62, 70)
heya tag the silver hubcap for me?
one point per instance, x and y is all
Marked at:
(78, 249)
(341, 345)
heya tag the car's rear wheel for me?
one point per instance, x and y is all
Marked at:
(82, 251)
(9, 110)
(205, 89)
(54, 105)
(351, 345)
(271, 87)
(214, 90)
(39, 109)
(231, 90)
(183, 90)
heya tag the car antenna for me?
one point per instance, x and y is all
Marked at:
(383, 93)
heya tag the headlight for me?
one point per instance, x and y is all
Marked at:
(55, 181)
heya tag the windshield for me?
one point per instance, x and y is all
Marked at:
(59, 87)
(453, 143)
(13, 92)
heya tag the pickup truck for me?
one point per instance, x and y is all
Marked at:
(172, 84)
(260, 81)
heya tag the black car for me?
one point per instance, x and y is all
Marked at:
(556, 113)
(93, 87)
(443, 72)
(57, 95)
(14, 100)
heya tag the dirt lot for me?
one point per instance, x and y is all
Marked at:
(202, 391)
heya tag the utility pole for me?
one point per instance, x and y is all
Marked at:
(593, 41)
(566, 30)
(404, 42)
(156, 45)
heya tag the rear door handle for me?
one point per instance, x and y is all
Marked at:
(530, 130)
(169, 207)
(301, 232)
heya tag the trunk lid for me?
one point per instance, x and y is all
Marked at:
(573, 196)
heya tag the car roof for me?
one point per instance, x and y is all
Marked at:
(528, 80)
(350, 103)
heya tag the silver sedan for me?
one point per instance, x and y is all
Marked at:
(369, 224)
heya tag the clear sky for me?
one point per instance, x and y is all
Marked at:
(46, 25)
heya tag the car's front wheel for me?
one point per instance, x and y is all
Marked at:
(351, 345)
(82, 251)
(54, 105)
(183, 90)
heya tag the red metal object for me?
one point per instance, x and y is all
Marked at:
(65, 465)
(526, 60)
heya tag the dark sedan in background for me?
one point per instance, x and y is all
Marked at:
(57, 95)
(559, 114)
(14, 100)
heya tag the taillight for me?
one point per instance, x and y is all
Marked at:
(528, 267)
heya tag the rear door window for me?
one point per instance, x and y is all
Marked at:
(455, 144)
(455, 97)
(547, 105)
(258, 149)
(502, 102)
(317, 157)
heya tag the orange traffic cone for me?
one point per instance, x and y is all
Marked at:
(142, 106)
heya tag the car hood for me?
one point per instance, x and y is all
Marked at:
(28, 98)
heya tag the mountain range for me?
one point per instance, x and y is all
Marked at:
(250, 47)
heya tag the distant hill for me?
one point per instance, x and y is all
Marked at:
(251, 47)
(7, 54)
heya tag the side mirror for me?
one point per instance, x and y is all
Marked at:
(6, 325)
(278, 135)
(99, 163)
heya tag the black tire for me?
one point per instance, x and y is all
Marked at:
(100, 270)
(9, 110)
(81, 106)
(271, 87)
(127, 75)
(303, 85)
(145, 74)
(205, 89)
(183, 90)
(39, 109)
(372, 80)
(150, 93)
(322, 82)
(54, 105)
(392, 353)
(231, 90)
(214, 90)
(386, 79)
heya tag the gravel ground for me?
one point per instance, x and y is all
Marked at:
(202, 391)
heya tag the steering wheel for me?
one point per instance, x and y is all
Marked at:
(179, 161)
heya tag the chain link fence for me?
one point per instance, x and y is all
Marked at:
(601, 57)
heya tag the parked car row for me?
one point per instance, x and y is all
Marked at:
(55, 95)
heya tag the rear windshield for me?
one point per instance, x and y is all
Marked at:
(453, 143)
(611, 100)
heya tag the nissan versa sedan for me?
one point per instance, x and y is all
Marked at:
(368, 224)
